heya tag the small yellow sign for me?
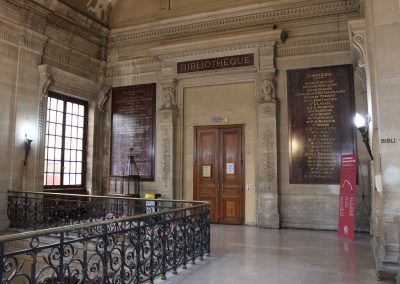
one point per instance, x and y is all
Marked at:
(207, 171)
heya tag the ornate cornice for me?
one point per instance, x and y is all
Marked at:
(68, 83)
(134, 66)
(19, 35)
(313, 46)
(125, 39)
(211, 51)
(74, 58)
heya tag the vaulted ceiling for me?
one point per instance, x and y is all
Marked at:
(123, 13)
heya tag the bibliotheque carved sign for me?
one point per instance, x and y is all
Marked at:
(133, 126)
(216, 63)
(320, 103)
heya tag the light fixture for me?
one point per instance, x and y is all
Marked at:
(27, 148)
(131, 177)
(361, 122)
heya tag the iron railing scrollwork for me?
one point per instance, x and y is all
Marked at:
(128, 249)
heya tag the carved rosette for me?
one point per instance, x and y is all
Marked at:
(267, 92)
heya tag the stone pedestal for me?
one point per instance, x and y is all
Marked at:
(267, 177)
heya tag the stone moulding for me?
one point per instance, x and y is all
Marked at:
(313, 46)
(124, 39)
(18, 35)
(74, 58)
(134, 66)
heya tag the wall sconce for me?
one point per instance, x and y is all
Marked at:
(27, 148)
(361, 122)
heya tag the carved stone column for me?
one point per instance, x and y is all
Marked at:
(98, 142)
(267, 175)
(168, 114)
(46, 80)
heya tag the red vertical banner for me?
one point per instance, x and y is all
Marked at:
(347, 196)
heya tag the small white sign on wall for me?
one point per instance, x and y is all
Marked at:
(230, 168)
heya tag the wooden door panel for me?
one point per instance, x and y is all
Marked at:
(231, 160)
(231, 211)
(231, 175)
(207, 180)
(218, 174)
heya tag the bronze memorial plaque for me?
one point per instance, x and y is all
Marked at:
(133, 126)
(321, 109)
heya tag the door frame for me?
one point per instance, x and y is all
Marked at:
(194, 164)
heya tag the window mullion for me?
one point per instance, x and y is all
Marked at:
(63, 144)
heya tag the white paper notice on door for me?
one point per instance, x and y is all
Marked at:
(207, 171)
(230, 168)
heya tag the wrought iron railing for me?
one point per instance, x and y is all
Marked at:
(131, 249)
(35, 210)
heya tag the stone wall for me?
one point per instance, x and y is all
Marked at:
(383, 21)
(70, 48)
(317, 35)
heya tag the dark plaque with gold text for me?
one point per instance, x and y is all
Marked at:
(133, 126)
(321, 104)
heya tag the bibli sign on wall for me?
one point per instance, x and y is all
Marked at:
(347, 197)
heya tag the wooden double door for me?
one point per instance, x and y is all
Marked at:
(219, 172)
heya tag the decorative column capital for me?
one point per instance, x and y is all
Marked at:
(169, 95)
(46, 79)
(358, 40)
(267, 88)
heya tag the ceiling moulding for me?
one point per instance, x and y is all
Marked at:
(227, 21)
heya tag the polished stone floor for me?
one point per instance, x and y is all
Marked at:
(243, 254)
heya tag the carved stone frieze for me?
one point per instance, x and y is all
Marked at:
(268, 168)
(207, 52)
(101, 8)
(21, 36)
(313, 46)
(134, 66)
(165, 155)
(66, 55)
(263, 16)
(361, 76)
